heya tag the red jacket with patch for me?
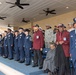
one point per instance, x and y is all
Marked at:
(38, 40)
(65, 36)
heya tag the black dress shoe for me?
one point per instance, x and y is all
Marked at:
(35, 66)
(10, 58)
(27, 64)
(40, 67)
(17, 60)
(45, 71)
(21, 61)
(5, 57)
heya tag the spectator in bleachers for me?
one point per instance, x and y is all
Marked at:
(38, 42)
(48, 36)
(49, 62)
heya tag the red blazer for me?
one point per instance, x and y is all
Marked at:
(66, 38)
(38, 40)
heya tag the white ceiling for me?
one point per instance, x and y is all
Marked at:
(15, 15)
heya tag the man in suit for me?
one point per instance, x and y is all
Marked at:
(10, 44)
(38, 42)
(21, 37)
(73, 47)
(63, 38)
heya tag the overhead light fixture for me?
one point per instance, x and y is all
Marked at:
(0, 2)
(67, 7)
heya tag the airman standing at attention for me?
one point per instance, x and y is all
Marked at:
(21, 37)
(5, 45)
(27, 47)
(16, 46)
(10, 44)
(73, 47)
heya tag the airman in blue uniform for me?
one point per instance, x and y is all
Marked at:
(5, 45)
(27, 47)
(1, 45)
(73, 47)
(21, 45)
(16, 46)
(10, 44)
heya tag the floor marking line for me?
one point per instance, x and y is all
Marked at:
(8, 70)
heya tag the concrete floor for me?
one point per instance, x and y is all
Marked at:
(11, 67)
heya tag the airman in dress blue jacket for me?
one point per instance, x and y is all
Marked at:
(27, 47)
(16, 46)
(10, 44)
(73, 47)
(1, 45)
(5, 45)
(21, 45)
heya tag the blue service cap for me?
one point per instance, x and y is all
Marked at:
(74, 19)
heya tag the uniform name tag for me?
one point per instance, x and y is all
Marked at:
(9, 36)
(26, 37)
(37, 37)
(16, 38)
(71, 35)
(30, 39)
(20, 35)
(64, 38)
(5, 37)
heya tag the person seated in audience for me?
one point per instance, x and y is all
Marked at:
(49, 62)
